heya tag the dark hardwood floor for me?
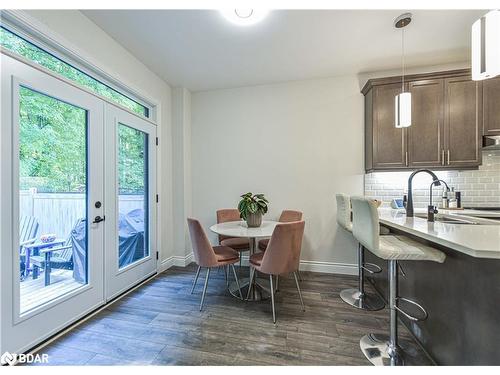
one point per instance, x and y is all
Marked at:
(160, 324)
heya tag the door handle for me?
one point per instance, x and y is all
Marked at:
(406, 158)
(442, 156)
(98, 219)
(448, 156)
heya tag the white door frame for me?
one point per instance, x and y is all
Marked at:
(118, 280)
(20, 333)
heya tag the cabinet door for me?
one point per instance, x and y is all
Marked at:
(425, 135)
(462, 122)
(389, 143)
(491, 106)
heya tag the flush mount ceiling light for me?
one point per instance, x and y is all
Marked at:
(486, 46)
(244, 17)
(402, 100)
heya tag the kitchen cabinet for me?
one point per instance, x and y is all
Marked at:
(462, 123)
(389, 142)
(491, 106)
(447, 121)
(425, 135)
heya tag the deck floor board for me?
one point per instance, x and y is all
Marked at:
(33, 292)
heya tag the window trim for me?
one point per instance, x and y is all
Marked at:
(38, 34)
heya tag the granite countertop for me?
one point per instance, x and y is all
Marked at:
(480, 240)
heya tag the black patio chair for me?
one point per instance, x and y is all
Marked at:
(28, 228)
(59, 257)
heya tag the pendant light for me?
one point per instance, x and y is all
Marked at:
(403, 100)
(486, 46)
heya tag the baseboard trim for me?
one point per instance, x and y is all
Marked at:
(305, 265)
(329, 267)
(175, 260)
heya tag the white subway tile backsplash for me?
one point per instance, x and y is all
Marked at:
(478, 188)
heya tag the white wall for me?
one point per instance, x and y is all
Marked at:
(299, 143)
(181, 150)
(77, 32)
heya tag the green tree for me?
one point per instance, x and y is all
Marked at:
(20, 46)
(52, 143)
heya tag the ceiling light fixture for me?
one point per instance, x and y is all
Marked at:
(244, 17)
(403, 100)
(486, 46)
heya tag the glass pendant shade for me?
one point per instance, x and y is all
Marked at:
(486, 46)
(403, 110)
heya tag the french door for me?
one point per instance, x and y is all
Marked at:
(76, 204)
(130, 159)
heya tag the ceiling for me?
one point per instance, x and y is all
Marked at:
(200, 50)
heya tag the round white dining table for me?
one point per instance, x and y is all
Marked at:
(260, 289)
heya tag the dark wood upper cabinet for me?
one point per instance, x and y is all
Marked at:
(449, 111)
(389, 142)
(462, 123)
(491, 106)
(425, 135)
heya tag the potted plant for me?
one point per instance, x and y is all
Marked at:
(252, 207)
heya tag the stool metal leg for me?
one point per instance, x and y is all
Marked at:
(358, 297)
(385, 350)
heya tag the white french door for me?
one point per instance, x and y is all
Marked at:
(77, 203)
(49, 129)
(130, 156)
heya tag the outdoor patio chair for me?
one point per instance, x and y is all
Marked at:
(60, 257)
(28, 228)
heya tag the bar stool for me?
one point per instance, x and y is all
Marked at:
(357, 297)
(383, 349)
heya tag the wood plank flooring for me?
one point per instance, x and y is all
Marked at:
(34, 293)
(159, 324)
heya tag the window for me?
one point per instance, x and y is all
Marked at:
(16, 44)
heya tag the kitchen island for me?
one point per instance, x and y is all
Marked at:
(462, 295)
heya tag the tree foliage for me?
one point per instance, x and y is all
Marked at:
(20, 46)
(53, 147)
(53, 134)
(52, 143)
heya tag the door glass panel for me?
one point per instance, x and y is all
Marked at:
(52, 198)
(132, 195)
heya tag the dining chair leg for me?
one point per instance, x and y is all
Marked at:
(237, 281)
(300, 276)
(225, 275)
(277, 282)
(250, 282)
(298, 288)
(196, 279)
(204, 288)
(272, 297)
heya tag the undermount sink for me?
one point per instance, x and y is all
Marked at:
(447, 220)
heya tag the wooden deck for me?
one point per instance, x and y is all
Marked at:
(34, 293)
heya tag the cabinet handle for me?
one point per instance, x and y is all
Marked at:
(448, 156)
(442, 156)
(406, 158)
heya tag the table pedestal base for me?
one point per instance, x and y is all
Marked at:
(260, 292)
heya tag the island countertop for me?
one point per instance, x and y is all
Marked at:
(476, 240)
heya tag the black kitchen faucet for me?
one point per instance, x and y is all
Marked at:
(409, 204)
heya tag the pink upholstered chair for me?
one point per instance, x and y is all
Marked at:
(287, 216)
(238, 244)
(281, 257)
(209, 257)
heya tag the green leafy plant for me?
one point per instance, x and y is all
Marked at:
(252, 204)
